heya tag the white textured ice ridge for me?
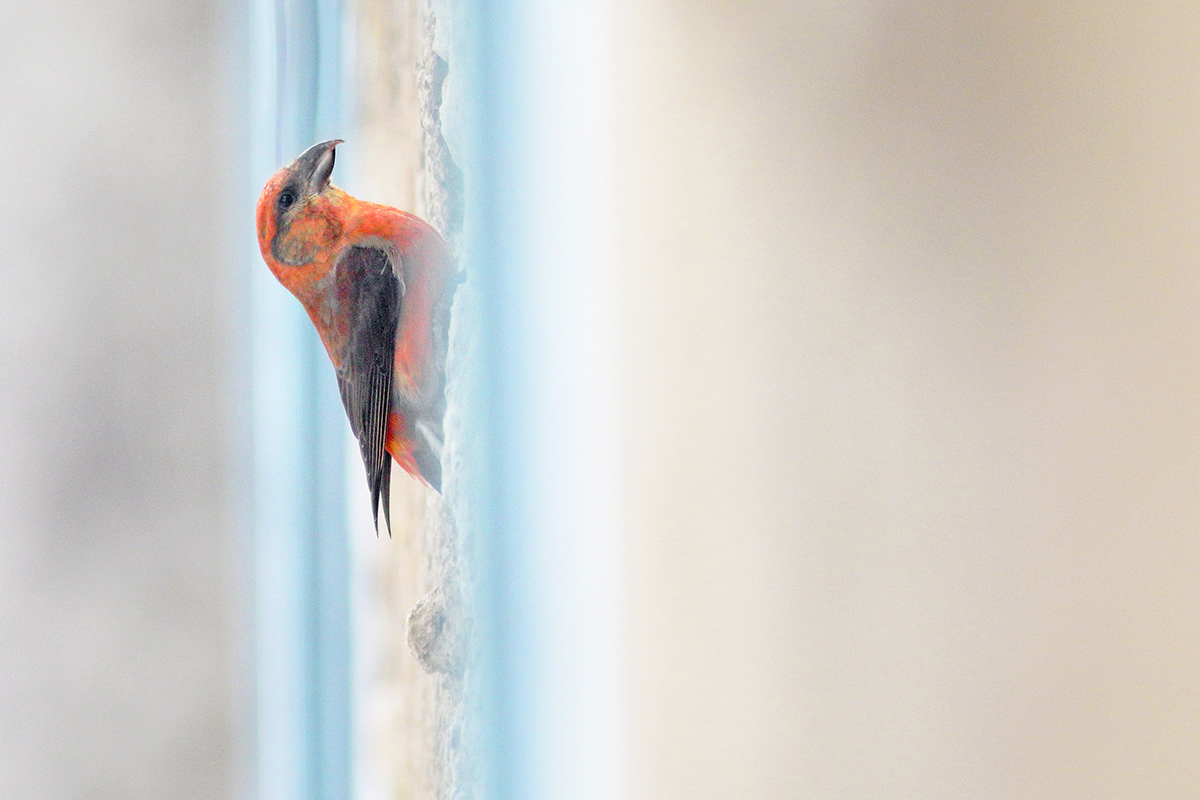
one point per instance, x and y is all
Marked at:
(439, 627)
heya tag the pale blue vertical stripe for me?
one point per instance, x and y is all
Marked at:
(549, 593)
(301, 552)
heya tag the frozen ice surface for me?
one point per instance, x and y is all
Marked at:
(439, 627)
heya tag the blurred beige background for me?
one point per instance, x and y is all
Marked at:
(911, 298)
(117, 623)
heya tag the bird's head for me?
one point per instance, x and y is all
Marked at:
(296, 213)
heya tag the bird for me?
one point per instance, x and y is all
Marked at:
(377, 284)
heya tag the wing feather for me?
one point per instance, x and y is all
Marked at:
(368, 287)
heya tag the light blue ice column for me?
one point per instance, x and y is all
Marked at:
(301, 569)
(537, 242)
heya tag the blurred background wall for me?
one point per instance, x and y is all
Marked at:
(911, 330)
(117, 612)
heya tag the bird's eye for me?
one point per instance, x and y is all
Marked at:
(286, 199)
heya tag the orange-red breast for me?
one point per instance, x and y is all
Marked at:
(377, 284)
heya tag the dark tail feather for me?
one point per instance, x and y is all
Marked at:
(386, 493)
(381, 488)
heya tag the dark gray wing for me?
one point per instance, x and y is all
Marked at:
(367, 285)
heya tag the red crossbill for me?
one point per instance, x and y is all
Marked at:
(377, 284)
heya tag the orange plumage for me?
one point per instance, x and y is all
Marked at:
(377, 284)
